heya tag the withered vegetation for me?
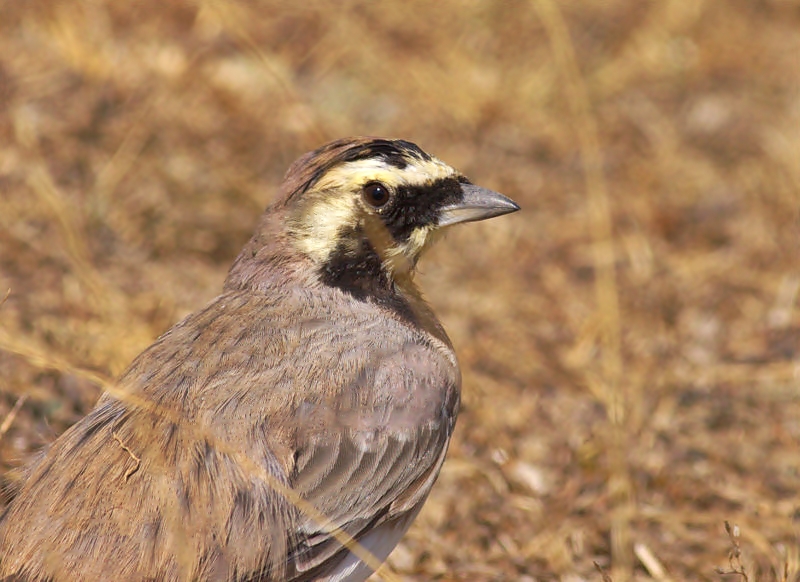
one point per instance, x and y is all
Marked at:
(630, 341)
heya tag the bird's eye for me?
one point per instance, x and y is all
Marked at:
(376, 194)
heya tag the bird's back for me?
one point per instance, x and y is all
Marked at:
(177, 480)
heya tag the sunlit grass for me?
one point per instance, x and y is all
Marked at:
(629, 341)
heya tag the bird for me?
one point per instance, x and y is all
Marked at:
(292, 428)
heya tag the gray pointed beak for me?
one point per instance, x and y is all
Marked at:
(477, 204)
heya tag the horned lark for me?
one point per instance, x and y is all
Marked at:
(307, 406)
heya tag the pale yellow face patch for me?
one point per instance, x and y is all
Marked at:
(316, 227)
(353, 175)
(335, 202)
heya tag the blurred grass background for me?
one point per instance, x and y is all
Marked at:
(630, 341)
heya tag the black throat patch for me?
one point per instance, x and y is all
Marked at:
(360, 272)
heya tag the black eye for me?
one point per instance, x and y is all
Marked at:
(376, 194)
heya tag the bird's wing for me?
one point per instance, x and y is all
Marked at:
(377, 453)
(371, 416)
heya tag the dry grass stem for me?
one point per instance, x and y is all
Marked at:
(12, 414)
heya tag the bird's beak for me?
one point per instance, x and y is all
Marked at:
(477, 204)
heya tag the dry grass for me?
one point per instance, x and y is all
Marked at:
(630, 341)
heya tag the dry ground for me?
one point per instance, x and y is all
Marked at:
(630, 340)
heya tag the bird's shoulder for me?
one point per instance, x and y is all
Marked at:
(274, 353)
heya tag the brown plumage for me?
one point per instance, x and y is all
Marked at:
(319, 368)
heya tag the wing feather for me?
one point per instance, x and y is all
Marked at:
(376, 464)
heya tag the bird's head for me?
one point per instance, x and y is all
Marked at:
(363, 210)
